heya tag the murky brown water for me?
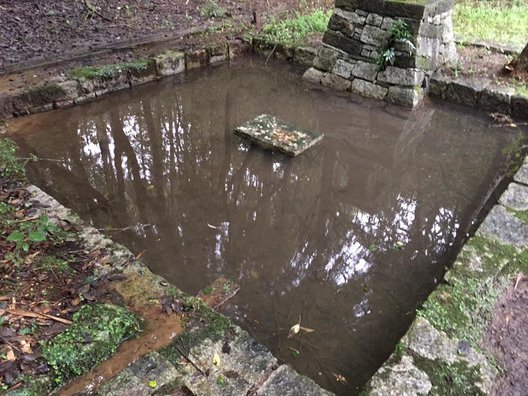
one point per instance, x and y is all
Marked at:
(350, 236)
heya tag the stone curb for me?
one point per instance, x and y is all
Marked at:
(479, 93)
(70, 90)
(427, 352)
(501, 49)
(245, 367)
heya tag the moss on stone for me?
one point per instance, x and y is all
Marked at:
(204, 324)
(34, 386)
(453, 379)
(96, 333)
(520, 214)
(44, 94)
(108, 72)
(463, 305)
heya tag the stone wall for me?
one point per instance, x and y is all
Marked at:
(360, 31)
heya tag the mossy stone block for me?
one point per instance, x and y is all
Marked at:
(272, 133)
(95, 334)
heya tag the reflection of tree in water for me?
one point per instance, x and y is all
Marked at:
(346, 235)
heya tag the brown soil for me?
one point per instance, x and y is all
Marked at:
(507, 339)
(485, 63)
(38, 296)
(41, 30)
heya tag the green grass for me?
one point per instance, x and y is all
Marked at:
(501, 22)
(295, 30)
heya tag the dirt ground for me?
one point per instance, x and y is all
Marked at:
(486, 63)
(506, 339)
(43, 30)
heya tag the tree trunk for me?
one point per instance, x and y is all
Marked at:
(522, 62)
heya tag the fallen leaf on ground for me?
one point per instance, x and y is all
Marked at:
(26, 347)
(216, 360)
(10, 355)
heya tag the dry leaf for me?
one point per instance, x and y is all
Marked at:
(340, 378)
(10, 355)
(26, 347)
(294, 330)
(216, 360)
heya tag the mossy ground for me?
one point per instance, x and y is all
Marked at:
(108, 72)
(96, 333)
(43, 274)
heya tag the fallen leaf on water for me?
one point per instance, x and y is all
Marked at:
(294, 330)
(297, 327)
(340, 378)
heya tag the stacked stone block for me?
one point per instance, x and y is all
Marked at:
(360, 30)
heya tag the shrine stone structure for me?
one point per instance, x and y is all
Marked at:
(361, 31)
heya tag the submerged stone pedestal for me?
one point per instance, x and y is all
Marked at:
(270, 132)
(360, 31)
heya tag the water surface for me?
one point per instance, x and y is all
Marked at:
(349, 237)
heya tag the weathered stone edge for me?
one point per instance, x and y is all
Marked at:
(501, 49)
(66, 90)
(479, 93)
(273, 379)
(404, 372)
(63, 91)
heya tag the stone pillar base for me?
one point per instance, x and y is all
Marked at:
(360, 31)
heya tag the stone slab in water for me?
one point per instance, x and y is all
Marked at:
(272, 133)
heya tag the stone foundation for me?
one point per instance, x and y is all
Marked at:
(359, 32)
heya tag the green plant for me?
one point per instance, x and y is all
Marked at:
(10, 166)
(34, 231)
(504, 22)
(52, 263)
(294, 30)
(400, 36)
(95, 334)
(212, 9)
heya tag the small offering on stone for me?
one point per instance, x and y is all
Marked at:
(272, 133)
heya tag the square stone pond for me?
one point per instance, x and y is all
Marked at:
(348, 238)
